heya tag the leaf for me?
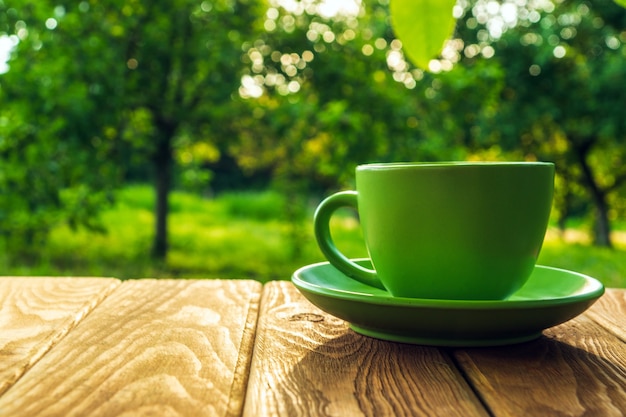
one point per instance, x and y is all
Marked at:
(423, 26)
(621, 2)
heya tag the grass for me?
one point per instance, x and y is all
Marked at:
(242, 235)
(607, 265)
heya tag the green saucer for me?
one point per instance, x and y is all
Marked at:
(550, 296)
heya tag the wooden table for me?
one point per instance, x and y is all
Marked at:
(102, 347)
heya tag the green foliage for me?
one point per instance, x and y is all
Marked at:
(336, 92)
(54, 158)
(239, 91)
(565, 70)
(98, 87)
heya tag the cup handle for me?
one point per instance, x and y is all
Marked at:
(321, 222)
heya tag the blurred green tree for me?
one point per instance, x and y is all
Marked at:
(98, 87)
(562, 97)
(95, 85)
(332, 91)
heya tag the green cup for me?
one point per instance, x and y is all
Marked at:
(449, 230)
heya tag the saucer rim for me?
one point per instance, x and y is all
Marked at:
(592, 289)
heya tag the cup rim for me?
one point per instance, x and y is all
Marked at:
(449, 164)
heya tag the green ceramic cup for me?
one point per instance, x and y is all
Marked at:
(449, 230)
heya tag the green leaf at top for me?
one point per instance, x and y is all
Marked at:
(621, 2)
(423, 26)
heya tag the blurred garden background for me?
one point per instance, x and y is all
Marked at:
(181, 138)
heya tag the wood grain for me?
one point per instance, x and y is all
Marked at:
(35, 313)
(576, 369)
(308, 363)
(610, 312)
(153, 347)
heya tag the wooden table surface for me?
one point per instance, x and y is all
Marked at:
(102, 347)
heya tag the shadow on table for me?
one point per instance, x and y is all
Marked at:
(549, 375)
(353, 374)
(546, 375)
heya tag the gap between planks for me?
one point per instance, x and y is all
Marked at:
(309, 363)
(36, 313)
(577, 368)
(170, 348)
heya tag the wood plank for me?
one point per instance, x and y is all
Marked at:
(153, 347)
(309, 363)
(35, 313)
(610, 312)
(575, 369)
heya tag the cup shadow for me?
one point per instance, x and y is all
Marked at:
(547, 376)
(353, 372)
(358, 375)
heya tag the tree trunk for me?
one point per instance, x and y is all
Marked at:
(602, 225)
(162, 162)
(602, 229)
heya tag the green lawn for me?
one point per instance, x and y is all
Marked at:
(238, 236)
